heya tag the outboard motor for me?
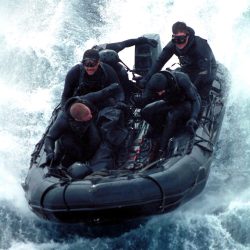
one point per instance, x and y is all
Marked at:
(146, 55)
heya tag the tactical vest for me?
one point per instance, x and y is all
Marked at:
(90, 84)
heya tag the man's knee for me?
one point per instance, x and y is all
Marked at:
(152, 109)
(146, 113)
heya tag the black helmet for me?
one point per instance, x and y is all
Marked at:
(109, 56)
(158, 82)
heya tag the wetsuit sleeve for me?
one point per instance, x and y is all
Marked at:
(205, 61)
(166, 54)
(71, 83)
(145, 98)
(102, 95)
(127, 43)
(55, 132)
(190, 92)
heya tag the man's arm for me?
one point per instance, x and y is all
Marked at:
(205, 61)
(166, 54)
(119, 46)
(71, 82)
(55, 132)
(191, 93)
(102, 95)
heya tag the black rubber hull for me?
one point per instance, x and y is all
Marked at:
(119, 198)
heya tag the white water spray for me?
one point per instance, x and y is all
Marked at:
(36, 52)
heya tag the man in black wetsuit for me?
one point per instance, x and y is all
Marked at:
(171, 101)
(109, 54)
(89, 76)
(195, 56)
(78, 133)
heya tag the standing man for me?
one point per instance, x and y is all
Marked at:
(195, 56)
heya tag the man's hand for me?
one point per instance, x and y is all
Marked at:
(191, 126)
(152, 42)
(50, 157)
(111, 89)
(142, 83)
(138, 101)
(121, 105)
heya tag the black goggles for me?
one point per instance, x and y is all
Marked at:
(90, 62)
(179, 39)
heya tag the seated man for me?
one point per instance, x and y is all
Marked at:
(77, 134)
(173, 100)
(109, 54)
(90, 75)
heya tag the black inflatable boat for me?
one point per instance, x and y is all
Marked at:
(133, 190)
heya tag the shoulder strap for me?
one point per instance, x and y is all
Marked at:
(80, 81)
(81, 73)
(105, 77)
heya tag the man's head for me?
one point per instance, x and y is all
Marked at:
(158, 84)
(109, 56)
(80, 112)
(180, 34)
(91, 61)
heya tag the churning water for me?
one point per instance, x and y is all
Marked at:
(40, 40)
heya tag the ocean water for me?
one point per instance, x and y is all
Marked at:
(41, 40)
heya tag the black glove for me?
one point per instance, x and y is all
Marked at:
(142, 83)
(50, 157)
(138, 101)
(192, 125)
(149, 41)
(121, 105)
(152, 42)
